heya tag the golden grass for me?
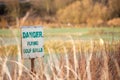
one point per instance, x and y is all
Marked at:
(67, 60)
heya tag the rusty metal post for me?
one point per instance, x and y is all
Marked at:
(32, 65)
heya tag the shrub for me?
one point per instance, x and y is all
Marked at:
(70, 14)
(82, 12)
(114, 22)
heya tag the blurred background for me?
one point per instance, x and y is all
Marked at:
(59, 13)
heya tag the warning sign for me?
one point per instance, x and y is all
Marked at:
(32, 41)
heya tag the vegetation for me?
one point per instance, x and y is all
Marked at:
(82, 60)
(89, 12)
(91, 52)
(105, 33)
(63, 59)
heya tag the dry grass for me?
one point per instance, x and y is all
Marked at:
(114, 22)
(67, 60)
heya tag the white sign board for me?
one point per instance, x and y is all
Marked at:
(32, 41)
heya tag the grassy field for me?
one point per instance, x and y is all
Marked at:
(107, 34)
(76, 33)
(70, 54)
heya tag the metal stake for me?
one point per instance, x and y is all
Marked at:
(32, 65)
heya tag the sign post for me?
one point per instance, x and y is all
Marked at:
(32, 43)
(32, 65)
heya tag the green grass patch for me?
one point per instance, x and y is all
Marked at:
(76, 33)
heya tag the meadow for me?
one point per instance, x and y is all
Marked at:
(107, 33)
(70, 54)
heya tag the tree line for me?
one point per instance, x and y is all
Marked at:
(67, 11)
